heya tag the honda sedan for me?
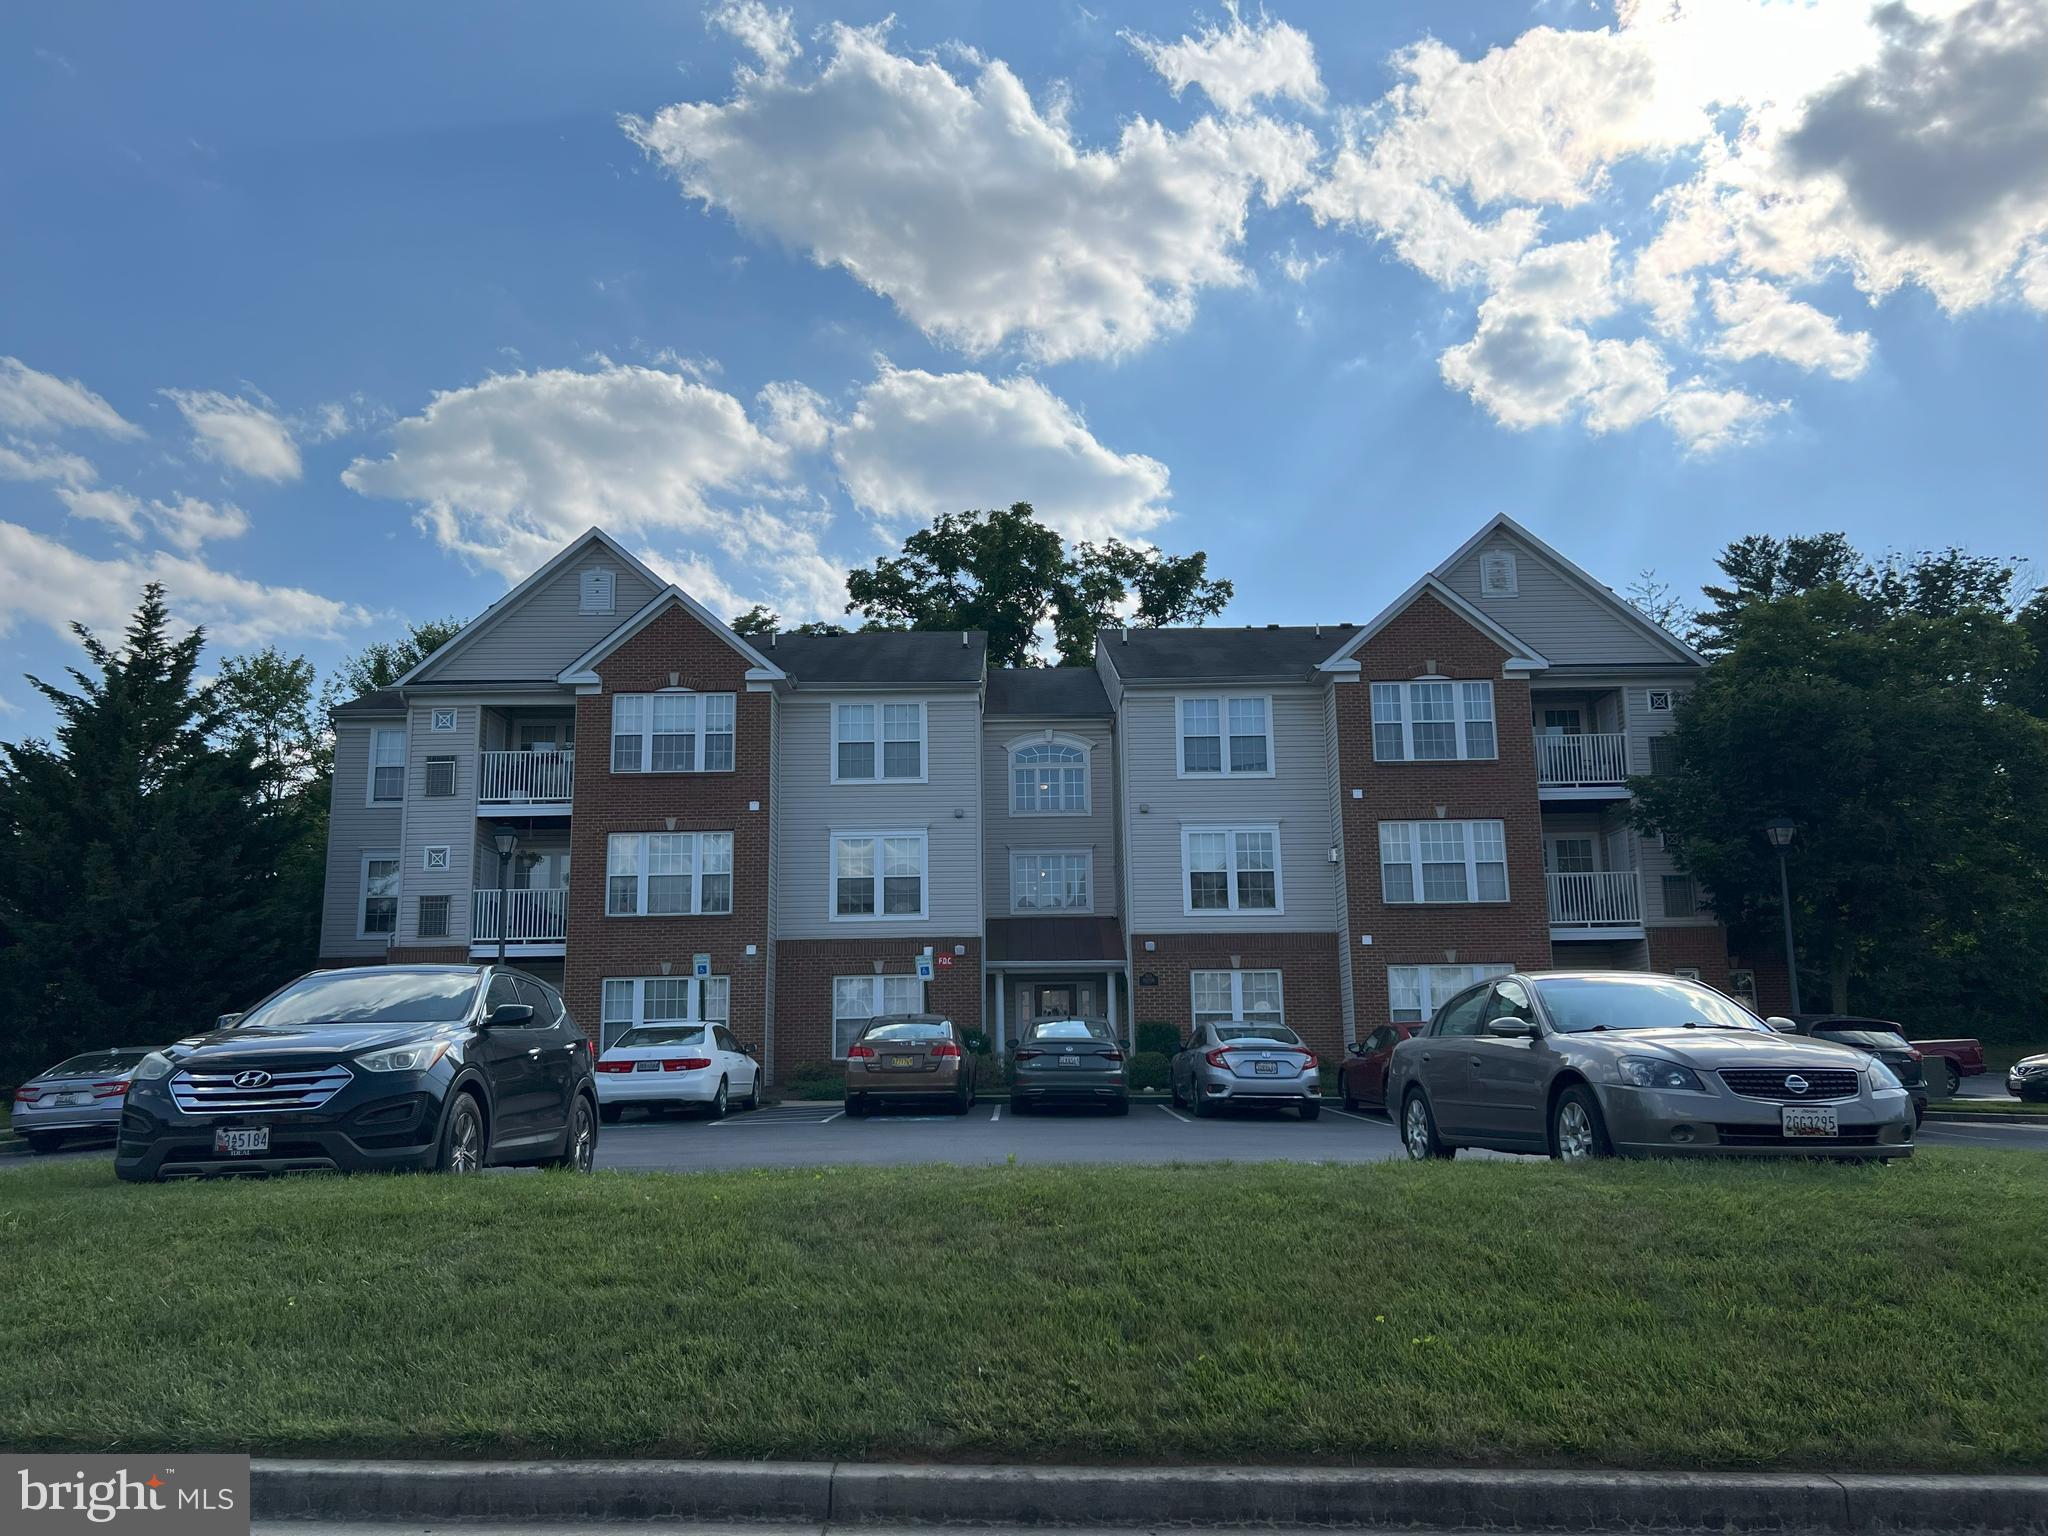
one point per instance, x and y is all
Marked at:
(680, 1065)
(78, 1097)
(1246, 1061)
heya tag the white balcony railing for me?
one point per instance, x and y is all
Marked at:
(1582, 762)
(1603, 898)
(527, 778)
(532, 917)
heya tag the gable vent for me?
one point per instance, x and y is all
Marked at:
(1497, 573)
(598, 593)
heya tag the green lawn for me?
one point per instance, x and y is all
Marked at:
(1638, 1314)
(2027, 1110)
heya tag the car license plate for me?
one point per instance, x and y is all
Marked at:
(1266, 1068)
(241, 1143)
(646, 1066)
(1810, 1120)
(1072, 1061)
(73, 1100)
(902, 1063)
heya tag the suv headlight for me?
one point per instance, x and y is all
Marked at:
(416, 1057)
(1883, 1079)
(153, 1066)
(1655, 1072)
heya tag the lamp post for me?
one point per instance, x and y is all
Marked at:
(1779, 831)
(507, 842)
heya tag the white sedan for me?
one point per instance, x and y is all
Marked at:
(654, 1065)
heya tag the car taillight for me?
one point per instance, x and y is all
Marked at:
(686, 1063)
(1308, 1061)
(945, 1048)
(615, 1066)
(27, 1094)
(860, 1052)
(1215, 1057)
(1917, 1054)
(1112, 1055)
(109, 1090)
(1028, 1055)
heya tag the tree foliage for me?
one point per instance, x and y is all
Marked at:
(763, 620)
(384, 662)
(1006, 573)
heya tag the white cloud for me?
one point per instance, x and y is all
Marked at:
(1706, 420)
(1297, 268)
(977, 214)
(37, 461)
(797, 415)
(189, 522)
(507, 471)
(106, 505)
(918, 444)
(41, 402)
(1237, 65)
(52, 584)
(238, 434)
(770, 34)
(1759, 320)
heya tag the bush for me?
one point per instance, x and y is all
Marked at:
(1158, 1039)
(815, 1080)
(1149, 1070)
(977, 1042)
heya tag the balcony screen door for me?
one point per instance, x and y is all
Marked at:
(1562, 722)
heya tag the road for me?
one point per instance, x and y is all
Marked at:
(804, 1134)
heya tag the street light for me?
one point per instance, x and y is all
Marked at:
(507, 842)
(1779, 831)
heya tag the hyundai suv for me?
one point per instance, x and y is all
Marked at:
(452, 1067)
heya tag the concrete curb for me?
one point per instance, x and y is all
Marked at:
(852, 1493)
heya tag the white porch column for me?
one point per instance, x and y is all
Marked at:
(1109, 991)
(1002, 1043)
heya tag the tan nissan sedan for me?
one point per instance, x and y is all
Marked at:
(909, 1056)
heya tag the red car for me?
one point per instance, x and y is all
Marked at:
(1949, 1062)
(1362, 1079)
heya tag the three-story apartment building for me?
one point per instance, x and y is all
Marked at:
(1330, 825)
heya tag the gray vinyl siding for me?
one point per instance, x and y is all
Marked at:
(1094, 831)
(812, 807)
(1554, 613)
(1296, 797)
(353, 829)
(1334, 761)
(544, 633)
(431, 823)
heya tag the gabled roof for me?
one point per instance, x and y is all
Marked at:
(880, 658)
(1522, 657)
(494, 615)
(1594, 588)
(378, 701)
(1188, 655)
(1047, 692)
(580, 671)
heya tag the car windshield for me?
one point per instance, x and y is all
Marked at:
(1279, 1034)
(1071, 1029)
(662, 1034)
(367, 997)
(93, 1062)
(1577, 1004)
(1868, 1039)
(908, 1029)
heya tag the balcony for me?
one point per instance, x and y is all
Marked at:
(1598, 904)
(536, 922)
(1586, 767)
(534, 782)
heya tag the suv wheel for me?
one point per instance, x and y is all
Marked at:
(1418, 1130)
(579, 1146)
(1576, 1131)
(463, 1147)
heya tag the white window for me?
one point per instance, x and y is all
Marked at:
(631, 1000)
(1226, 735)
(1051, 881)
(668, 874)
(597, 591)
(878, 875)
(387, 766)
(1220, 996)
(1230, 869)
(878, 743)
(672, 732)
(1048, 778)
(1449, 861)
(1415, 992)
(1432, 721)
(377, 912)
(856, 999)
(1571, 856)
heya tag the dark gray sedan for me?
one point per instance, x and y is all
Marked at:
(1591, 1063)
(79, 1097)
(1070, 1061)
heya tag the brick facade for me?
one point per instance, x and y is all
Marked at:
(805, 968)
(1707, 950)
(430, 954)
(1310, 994)
(1428, 638)
(673, 650)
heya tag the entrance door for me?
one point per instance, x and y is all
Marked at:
(1059, 999)
(1052, 1001)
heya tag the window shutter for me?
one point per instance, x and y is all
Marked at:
(597, 591)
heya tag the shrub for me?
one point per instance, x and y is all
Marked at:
(815, 1080)
(977, 1042)
(1149, 1070)
(1156, 1039)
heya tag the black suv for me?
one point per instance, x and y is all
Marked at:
(425, 1066)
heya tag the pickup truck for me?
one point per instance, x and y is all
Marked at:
(1948, 1062)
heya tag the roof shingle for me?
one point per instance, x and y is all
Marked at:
(1188, 655)
(1055, 692)
(879, 657)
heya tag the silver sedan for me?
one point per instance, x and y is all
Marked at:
(1246, 1061)
(81, 1096)
(1590, 1063)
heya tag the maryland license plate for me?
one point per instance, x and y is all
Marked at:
(1266, 1068)
(1809, 1120)
(241, 1143)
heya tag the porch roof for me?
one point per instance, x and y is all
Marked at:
(1091, 942)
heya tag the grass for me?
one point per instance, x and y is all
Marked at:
(1998, 1059)
(1486, 1313)
(2031, 1109)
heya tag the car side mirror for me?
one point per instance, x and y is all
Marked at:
(1782, 1025)
(226, 1020)
(509, 1014)
(1512, 1029)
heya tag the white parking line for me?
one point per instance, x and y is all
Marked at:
(995, 1113)
(1351, 1115)
(831, 1117)
(1183, 1119)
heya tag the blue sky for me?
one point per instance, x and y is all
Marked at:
(1316, 289)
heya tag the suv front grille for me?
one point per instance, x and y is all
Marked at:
(1822, 1083)
(215, 1093)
